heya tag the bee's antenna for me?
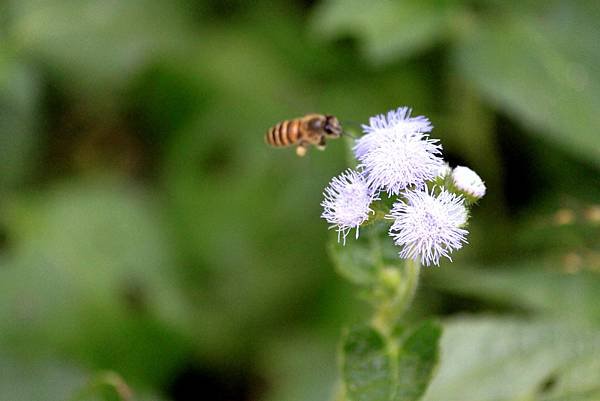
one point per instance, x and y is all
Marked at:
(353, 124)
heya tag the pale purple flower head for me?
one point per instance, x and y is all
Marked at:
(398, 120)
(428, 226)
(346, 203)
(397, 152)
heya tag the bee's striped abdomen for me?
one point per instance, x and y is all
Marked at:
(285, 133)
(294, 130)
(273, 135)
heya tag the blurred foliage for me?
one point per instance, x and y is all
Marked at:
(89, 268)
(503, 359)
(515, 54)
(19, 99)
(37, 380)
(146, 230)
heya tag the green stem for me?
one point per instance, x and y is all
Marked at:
(412, 269)
(390, 310)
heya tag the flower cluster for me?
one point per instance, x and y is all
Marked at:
(397, 157)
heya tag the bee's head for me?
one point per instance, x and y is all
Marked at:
(332, 127)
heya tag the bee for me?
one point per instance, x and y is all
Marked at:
(312, 129)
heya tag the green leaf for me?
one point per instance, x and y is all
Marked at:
(357, 260)
(387, 30)
(417, 360)
(493, 359)
(575, 383)
(541, 67)
(361, 259)
(592, 395)
(367, 365)
(379, 368)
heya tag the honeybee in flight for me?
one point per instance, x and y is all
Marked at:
(312, 129)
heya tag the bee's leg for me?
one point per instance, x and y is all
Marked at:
(301, 150)
(321, 144)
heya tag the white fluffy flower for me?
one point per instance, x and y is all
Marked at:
(398, 120)
(346, 203)
(444, 171)
(396, 152)
(467, 181)
(427, 226)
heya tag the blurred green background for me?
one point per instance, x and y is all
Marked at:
(147, 231)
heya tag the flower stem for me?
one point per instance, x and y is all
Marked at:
(391, 309)
(412, 269)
